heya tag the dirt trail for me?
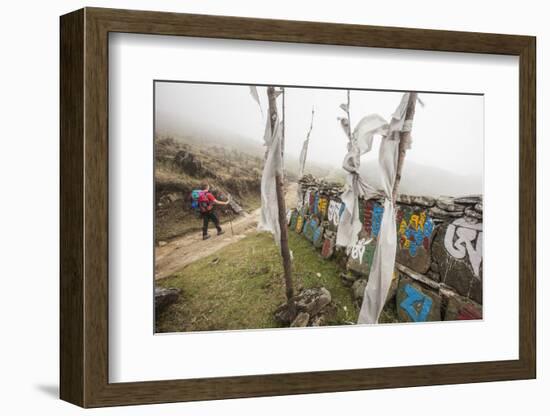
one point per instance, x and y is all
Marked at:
(182, 251)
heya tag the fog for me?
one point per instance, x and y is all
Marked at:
(447, 148)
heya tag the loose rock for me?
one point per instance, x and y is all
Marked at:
(318, 320)
(472, 213)
(348, 278)
(358, 290)
(301, 320)
(448, 204)
(313, 300)
(440, 213)
(424, 201)
(310, 301)
(468, 200)
(165, 297)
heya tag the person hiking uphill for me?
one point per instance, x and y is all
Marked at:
(206, 202)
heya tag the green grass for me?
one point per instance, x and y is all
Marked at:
(240, 286)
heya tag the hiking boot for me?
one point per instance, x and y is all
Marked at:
(206, 237)
(221, 232)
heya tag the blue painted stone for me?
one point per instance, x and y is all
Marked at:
(416, 303)
(318, 236)
(413, 298)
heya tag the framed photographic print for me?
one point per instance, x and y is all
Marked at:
(256, 207)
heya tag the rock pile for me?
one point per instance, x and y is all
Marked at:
(310, 307)
(330, 189)
(447, 208)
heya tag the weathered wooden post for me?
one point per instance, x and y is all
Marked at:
(404, 141)
(279, 186)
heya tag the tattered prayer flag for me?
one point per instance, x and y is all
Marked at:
(360, 142)
(269, 213)
(365, 130)
(256, 97)
(383, 262)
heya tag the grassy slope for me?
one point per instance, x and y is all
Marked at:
(240, 286)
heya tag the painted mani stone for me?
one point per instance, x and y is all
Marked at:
(293, 220)
(299, 224)
(461, 309)
(361, 254)
(415, 303)
(377, 213)
(458, 251)
(316, 204)
(327, 250)
(311, 202)
(318, 236)
(289, 216)
(415, 231)
(322, 207)
(371, 213)
(305, 202)
(310, 227)
(335, 209)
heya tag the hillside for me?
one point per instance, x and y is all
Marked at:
(256, 149)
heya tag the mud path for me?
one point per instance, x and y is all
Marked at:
(179, 253)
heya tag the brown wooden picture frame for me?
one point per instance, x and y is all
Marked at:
(84, 207)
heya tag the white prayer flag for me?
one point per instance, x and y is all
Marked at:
(256, 97)
(381, 271)
(269, 214)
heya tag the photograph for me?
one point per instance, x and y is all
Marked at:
(279, 206)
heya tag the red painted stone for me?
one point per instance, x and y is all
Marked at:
(468, 312)
(327, 249)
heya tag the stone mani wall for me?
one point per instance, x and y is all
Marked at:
(439, 257)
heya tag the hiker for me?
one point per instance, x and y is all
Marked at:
(206, 202)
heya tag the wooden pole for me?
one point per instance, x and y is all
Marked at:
(283, 117)
(279, 186)
(404, 140)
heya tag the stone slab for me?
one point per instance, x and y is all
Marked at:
(460, 308)
(360, 255)
(416, 303)
(334, 212)
(457, 249)
(415, 232)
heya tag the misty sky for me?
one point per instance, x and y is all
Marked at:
(447, 132)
